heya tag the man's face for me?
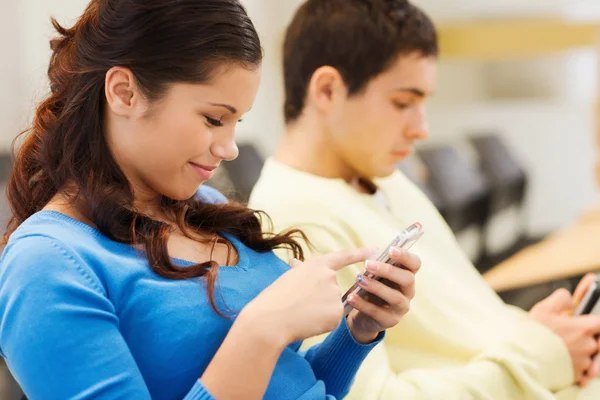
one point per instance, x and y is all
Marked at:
(375, 129)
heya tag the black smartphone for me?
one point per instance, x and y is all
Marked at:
(589, 304)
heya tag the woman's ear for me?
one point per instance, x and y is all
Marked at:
(326, 88)
(122, 92)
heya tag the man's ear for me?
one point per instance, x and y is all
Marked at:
(122, 92)
(326, 88)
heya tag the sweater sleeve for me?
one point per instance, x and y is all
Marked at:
(336, 360)
(59, 332)
(532, 363)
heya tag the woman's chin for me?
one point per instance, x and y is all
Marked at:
(183, 195)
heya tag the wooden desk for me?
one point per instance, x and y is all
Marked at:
(571, 252)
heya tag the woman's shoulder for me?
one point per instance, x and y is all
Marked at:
(44, 269)
(47, 240)
(52, 226)
(39, 270)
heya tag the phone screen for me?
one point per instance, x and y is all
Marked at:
(590, 304)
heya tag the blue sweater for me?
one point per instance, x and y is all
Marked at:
(84, 317)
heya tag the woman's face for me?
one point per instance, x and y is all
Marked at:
(171, 146)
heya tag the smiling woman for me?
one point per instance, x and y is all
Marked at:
(118, 272)
(200, 119)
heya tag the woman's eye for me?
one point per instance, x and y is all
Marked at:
(214, 122)
(402, 106)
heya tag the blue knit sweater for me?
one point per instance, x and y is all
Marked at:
(84, 317)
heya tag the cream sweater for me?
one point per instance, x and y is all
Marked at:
(459, 341)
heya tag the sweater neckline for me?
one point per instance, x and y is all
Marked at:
(239, 247)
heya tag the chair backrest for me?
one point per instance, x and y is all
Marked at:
(417, 173)
(6, 163)
(244, 171)
(462, 190)
(507, 179)
(452, 177)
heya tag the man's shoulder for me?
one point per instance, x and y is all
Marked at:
(280, 189)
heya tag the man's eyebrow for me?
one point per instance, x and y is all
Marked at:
(415, 91)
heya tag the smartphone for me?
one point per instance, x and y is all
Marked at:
(403, 240)
(590, 304)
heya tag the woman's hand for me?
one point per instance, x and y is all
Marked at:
(388, 300)
(305, 301)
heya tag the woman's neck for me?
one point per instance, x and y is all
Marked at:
(71, 206)
(68, 202)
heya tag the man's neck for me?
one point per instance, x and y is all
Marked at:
(306, 147)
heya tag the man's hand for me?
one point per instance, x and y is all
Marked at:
(579, 333)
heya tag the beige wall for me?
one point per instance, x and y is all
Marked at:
(559, 111)
(23, 75)
(25, 32)
(10, 89)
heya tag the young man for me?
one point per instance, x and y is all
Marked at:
(357, 73)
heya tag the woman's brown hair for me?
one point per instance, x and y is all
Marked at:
(161, 42)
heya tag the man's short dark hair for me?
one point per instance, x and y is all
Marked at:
(360, 38)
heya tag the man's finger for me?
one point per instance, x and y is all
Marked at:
(560, 301)
(583, 287)
(591, 323)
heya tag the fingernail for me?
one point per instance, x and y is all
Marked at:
(362, 280)
(372, 267)
(352, 298)
(396, 252)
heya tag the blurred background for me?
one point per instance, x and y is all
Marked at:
(513, 156)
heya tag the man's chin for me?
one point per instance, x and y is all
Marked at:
(374, 170)
(386, 171)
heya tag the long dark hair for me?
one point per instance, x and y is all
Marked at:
(161, 42)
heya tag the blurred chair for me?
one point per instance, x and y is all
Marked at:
(237, 178)
(462, 190)
(417, 173)
(507, 181)
(9, 389)
(5, 168)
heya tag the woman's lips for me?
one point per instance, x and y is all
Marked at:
(205, 172)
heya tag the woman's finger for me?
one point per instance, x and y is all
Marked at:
(390, 295)
(403, 278)
(408, 260)
(383, 316)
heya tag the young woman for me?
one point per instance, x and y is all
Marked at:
(117, 281)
